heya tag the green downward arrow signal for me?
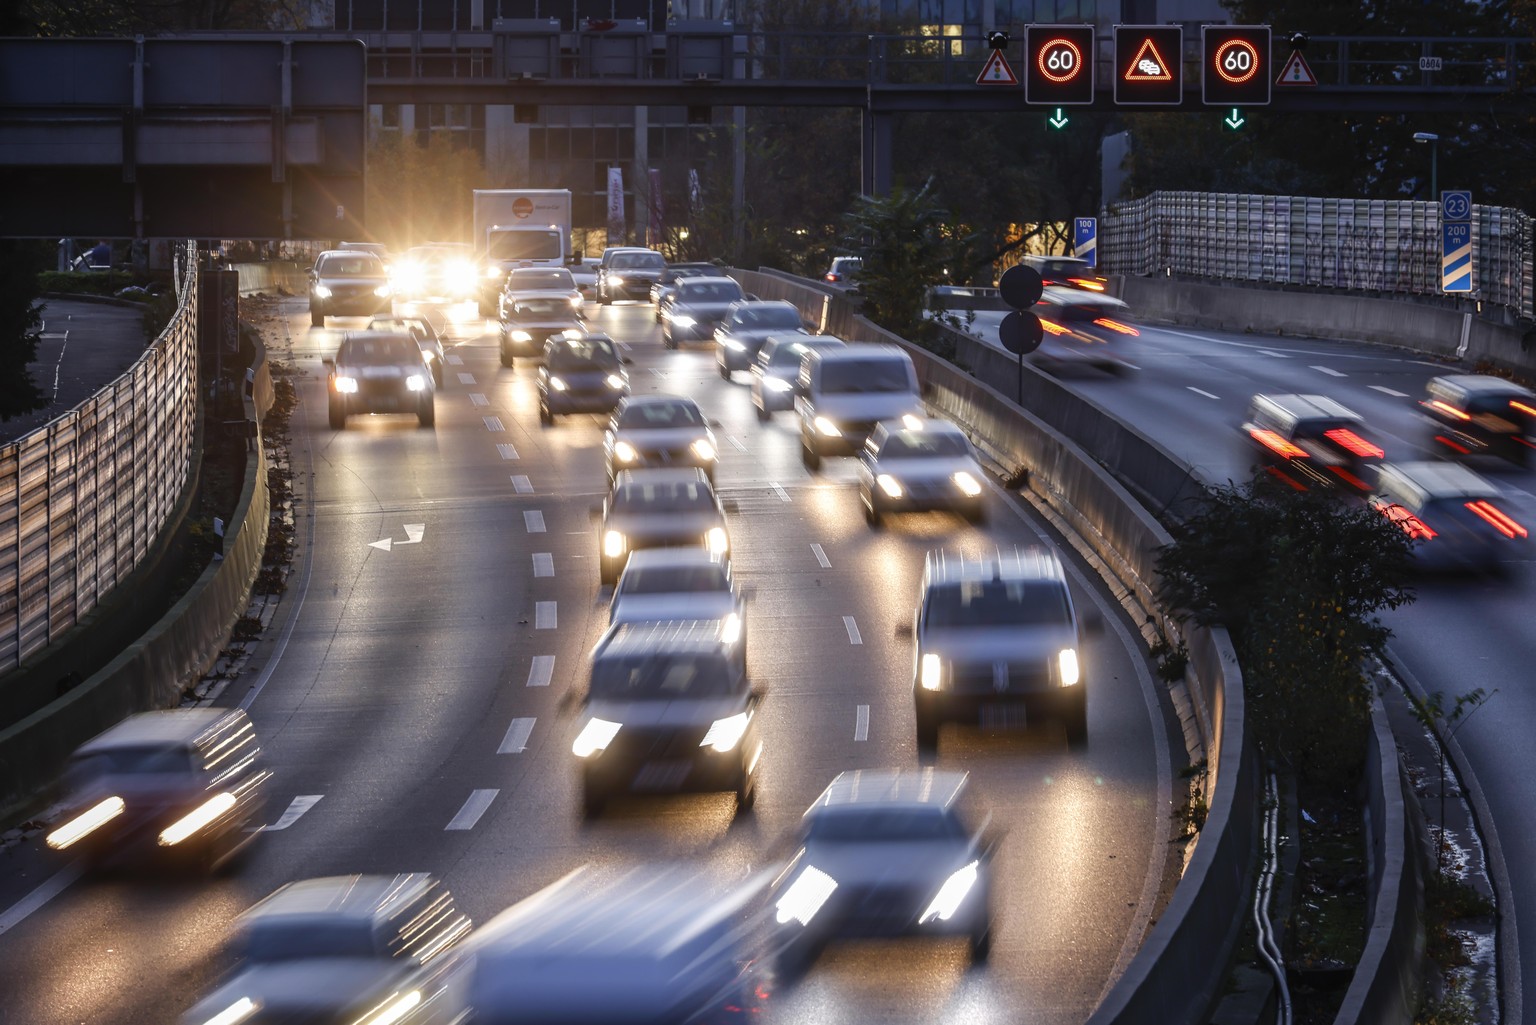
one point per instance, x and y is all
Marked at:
(1059, 121)
(1236, 120)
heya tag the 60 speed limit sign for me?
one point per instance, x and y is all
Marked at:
(1234, 71)
(1058, 65)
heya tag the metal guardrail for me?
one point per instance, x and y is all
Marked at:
(1386, 247)
(83, 497)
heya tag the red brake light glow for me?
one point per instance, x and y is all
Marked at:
(1277, 444)
(1088, 283)
(1415, 527)
(1348, 439)
(1500, 522)
(1448, 410)
(1115, 325)
(1053, 327)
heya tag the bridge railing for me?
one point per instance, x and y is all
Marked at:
(1381, 247)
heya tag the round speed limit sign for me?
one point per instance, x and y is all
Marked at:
(1237, 60)
(1060, 60)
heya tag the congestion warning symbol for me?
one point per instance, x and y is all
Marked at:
(1148, 65)
(997, 71)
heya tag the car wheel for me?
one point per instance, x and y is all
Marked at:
(338, 415)
(316, 318)
(927, 732)
(545, 416)
(426, 414)
(809, 456)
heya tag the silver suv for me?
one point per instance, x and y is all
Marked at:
(998, 644)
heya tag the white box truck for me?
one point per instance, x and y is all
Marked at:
(519, 228)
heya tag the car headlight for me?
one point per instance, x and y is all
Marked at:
(703, 449)
(967, 484)
(346, 385)
(462, 275)
(805, 896)
(717, 541)
(322, 291)
(197, 819)
(827, 427)
(557, 384)
(415, 382)
(576, 302)
(776, 384)
(682, 320)
(409, 275)
(394, 1009)
(614, 543)
(617, 280)
(911, 423)
(731, 343)
(595, 736)
(519, 335)
(725, 734)
(573, 333)
(382, 291)
(614, 381)
(1066, 661)
(730, 629)
(947, 902)
(890, 485)
(492, 272)
(624, 452)
(87, 822)
(931, 672)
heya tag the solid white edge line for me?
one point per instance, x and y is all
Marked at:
(45, 891)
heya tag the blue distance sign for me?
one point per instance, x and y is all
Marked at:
(1085, 240)
(1456, 257)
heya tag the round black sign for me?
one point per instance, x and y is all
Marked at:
(1021, 331)
(1021, 286)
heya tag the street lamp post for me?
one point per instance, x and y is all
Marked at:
(1434, 159)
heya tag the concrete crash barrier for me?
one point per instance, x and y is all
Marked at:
(271, 277)
(154, 671)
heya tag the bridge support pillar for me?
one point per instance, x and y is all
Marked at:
(875, 153)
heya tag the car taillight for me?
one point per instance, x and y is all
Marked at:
(1497, 518)
(1411, 524)
(1347, 439)
(1521, 407)
(1088, 283)
(1115, 325)
(1277, 444)
(1448, 410)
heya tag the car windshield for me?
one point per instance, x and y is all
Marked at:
(383, 351)
(132, 761)
(875, 824)
(1063, 269)
(754, 318)
(295, 939)
(675, 580)
(541, 309)
(664, 496)
(636, 261)
(865, 375)
(414, 326)
(663, 676)
(361, 265)
(708, 292)
(584, 354)
(555, 279)
(643, 415)
(997, 603)
(789, 355)
(923, 445)
(673, 273)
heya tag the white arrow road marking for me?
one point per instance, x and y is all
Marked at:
(542, 671)
(861, 723)
(543, 564)
(479, 800)
(853, 630)
(1329, 371)
(1388, 391)
(507, 452)
(414, 532)
(476, 399)
(821, 557)
(522, 485)
(545, 615)
(298, 807)
(493, 423)
(533, 520)
(382, 545)
(516, 739)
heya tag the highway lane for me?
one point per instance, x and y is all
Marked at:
(420, 716)
(1190, 394)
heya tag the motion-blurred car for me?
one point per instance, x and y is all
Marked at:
(776, 367)
(660, 509)
(650, 945)
(1453, 516)
(669, 709)
(659, 430)
(660, 584)
(347, 284)
(887, 853)
(841, 392)
(378, 249)
(379, 372)
(920, 463)
(1478, 414)
(675, 272)
(628, 274)
(746, 326)
(529, 321)
(998, 643)
(694, 307)
(436, 272)
(427, 340)
(181, 787)
(1082, 327)
(541, 281)
(338, 991)
(1067, 271)
(844, 270)
(1312, 441)
(581, 375)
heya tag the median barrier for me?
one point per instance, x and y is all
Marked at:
(273, 277)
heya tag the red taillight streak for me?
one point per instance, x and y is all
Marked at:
(1092, 286)
(1522, 407)
(1346, 438)
(1115, 325)
(1053, 327)
(1277, 444)
(1502, 523)
(1448, 410)
(1442, 439)
(1351, 479)
(1415, 527)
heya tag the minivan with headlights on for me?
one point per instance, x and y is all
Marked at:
(379, 372)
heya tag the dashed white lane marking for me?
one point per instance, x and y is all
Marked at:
(476, 399)
(1329, 371)
(493, 424)
(657, 373)
(521, 484)
(1270, 352)
(545, 616)
(542, 671)
(454, 360)
(1207, 394)
(297, 807)
(516, 739)
(821, 557)
(46, 891)
(543, 564)
(853, 630)
(533, 519)
(778, 489)
(508, 453)
(736, 442)
(479, 800)
(861, 723)
(1388, 391)
(466, 378)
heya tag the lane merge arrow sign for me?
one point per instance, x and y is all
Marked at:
(414, 532)
(1059, 121)
(1235, 120)
(997, 71)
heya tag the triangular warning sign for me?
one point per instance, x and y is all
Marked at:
(1296, 71)
(1148, 66)
(997, 71)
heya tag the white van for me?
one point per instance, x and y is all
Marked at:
(842, 392)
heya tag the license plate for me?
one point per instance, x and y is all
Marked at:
(668, 775)
(999, 717)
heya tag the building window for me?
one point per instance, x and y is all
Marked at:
(389, 115)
